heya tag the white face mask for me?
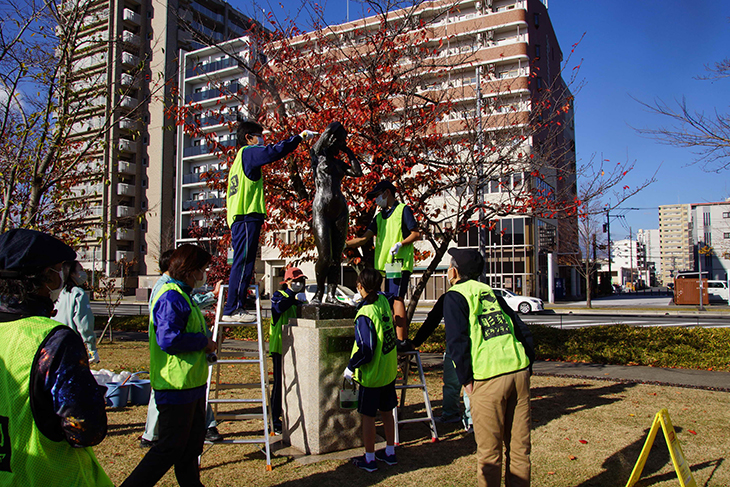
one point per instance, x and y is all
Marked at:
(381, 201)
(55, 293)
(202, 282)
(80, 278)
(297, 287)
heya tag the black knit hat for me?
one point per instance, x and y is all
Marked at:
(23, 251)
(469, 262)
(379, 188)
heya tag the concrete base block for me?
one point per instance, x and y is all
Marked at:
(314, 355)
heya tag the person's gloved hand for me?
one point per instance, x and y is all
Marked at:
(394, 250)
(308, 134)
(403, 346)
(302, 297)
(94, 357)
(348, 374)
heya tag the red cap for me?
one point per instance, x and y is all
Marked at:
(293, 273)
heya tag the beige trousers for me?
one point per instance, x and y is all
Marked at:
(500, 408)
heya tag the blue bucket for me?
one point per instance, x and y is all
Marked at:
(117, 394)
(139, 392)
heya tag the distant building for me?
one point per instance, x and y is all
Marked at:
(676, 248)
(711, 227)
(652, 258)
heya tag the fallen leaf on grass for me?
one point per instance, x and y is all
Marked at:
(551, 473)
(692, 431)
(572, 457)
(630, 414)
(584, 442)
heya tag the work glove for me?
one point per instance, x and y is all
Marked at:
(394, 250)
(348, 374)
(302, 297)
(403, 346)
(308, 134)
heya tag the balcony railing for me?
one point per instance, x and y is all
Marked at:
(127, 167)
(217, 119)
(208, 13)
(125, 234)
(131, 16)
(231, 89)
(130, 38)
(128, 102)
(126, 255)
(210, 67)
(126, 145)
(124, 211)
(197, 177)
(128, 124)
(204, 149)
(188, 205)
(129, 59)
(125, 189)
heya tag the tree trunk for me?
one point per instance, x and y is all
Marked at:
(589, 284)
(440, 252)
(6, 199)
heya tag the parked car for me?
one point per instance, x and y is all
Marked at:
(343, 293)
(521, 304)
(717, 290)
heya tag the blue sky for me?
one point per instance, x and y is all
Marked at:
(648, 49)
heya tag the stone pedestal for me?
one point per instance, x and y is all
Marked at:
(314, 355)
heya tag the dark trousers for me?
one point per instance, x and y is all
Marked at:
(182, 433)
(245, 242)
(276, 390)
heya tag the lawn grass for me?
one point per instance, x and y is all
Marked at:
(585, 433)
(682, 347)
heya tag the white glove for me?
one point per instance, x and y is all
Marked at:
(308, 134)
(302, 297)
(348, 374)
(394, 250)
(94, 357)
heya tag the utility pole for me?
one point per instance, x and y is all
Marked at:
(608, 233)
(481, 229)
(631, 260)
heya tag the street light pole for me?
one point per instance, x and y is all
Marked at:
(481, 229)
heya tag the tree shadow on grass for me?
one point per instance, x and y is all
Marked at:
(114, 429)
(549, 403)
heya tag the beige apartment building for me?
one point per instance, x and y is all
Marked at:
(675, 241)
(128, 64)
(505, 50)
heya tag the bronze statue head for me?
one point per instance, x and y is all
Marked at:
(333, 139)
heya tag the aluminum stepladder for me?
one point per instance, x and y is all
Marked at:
(403, 386)
(240, 358)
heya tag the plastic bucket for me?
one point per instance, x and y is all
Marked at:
(139, 392)
(117, 394)
(394, 269)
(348, 397)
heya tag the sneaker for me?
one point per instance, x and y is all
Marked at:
(277, 428)
(213, 435)
(447, 419)
(360, 462)
(385, 458)
(240, 316)
(143, 443)
(469, 429)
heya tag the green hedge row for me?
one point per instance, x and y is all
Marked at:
(690, 348)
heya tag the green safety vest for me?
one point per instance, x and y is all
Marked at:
(243, 195)
(382, 369)
(185, 370)
(494, 348)
(27, 457)
(275, 328)
(389, 233)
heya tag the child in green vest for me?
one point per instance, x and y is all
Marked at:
(373, 364)
(284, 304)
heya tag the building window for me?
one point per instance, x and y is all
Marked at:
(144, 204)
(726, 235)
(726, 214)
(537, 51)
(536, 20)
(144, 161)
(538, 83)
(144, 182)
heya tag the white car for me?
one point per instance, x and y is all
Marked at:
(521, 304)
(343, 293)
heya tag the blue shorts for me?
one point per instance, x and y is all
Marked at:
(398, 287)
(374, 399)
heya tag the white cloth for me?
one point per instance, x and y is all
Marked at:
(73, 309)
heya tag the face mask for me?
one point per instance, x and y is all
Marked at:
(55, 293)
(297, 287)
(202, 281)
(80, 278)
(451, 275)
(381, 201)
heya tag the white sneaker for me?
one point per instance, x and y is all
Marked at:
(240, 316)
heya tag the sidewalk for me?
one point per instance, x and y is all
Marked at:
(700, 379)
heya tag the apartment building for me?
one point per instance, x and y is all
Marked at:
(650, 241)
(676, 247)
(711, 228)
(128, 63)
(509, 49)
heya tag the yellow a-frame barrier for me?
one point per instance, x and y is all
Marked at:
(680, 463)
